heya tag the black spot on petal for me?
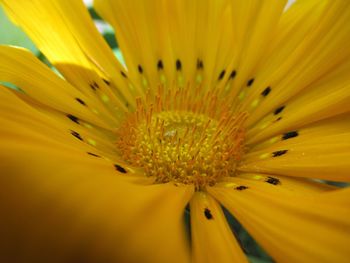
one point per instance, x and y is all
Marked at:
(250, 82)
(222, 75)
(279, 153)
(119, 168)
(233, 74)
(272, 180)
(279, 110)
(80, 101)
(266, 91)
(160, 65)
(93, 154)
(241, 187)
(289, 135)
(200, 64)
(106, 81)
(73, 118)
(76, 135)
(207, 214)
(123, 74)
(94, 86)
(140, 69)
(178, 65)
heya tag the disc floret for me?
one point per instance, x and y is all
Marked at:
(182, 144)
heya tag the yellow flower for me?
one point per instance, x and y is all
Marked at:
(239, 103)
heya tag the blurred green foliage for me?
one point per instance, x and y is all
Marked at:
(13, 35)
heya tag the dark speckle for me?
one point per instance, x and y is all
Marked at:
(233, 74)
(140, 69)
(222, 75)
(250, 82)
(160, 65)
(207, 214)
(73, 118)
(200, 64)
(76, 135)
(266, 91)
(106, 81)
(93, 154)
(272, 180)
(279, 153)
(278, 119)
(289, 135)
(241, 187)
(94, 86)
(178, 65)
(123, 74)
(80, 101)
(120, 169)
(279, 110)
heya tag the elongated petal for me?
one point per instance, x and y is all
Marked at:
(21, 68)
(173, 41)
(22, 124)
(322, 51)
(284, 183)
(62, 203)
(327, 97)
(212, 239)
(321, 150)
(65, 33)
(292, 227)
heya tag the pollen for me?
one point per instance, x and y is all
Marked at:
(175, 136)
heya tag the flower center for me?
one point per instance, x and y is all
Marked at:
(183, 146)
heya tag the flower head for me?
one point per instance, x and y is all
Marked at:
(230, 103)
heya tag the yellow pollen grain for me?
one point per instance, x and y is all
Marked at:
(91, 141)
(264, 155)
(87, 125)
(241, 95)
(162, 78)
(104, 98)
(255, 103)
(199, 78)
(144, 81)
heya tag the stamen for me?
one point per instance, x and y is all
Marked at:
(183, 135)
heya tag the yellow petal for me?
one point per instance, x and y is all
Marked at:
(22, 69)
(212, 239)
(293, 227)
(254, 24)
(318, 151)
(21, 124)
(172, 41)
(319, 53)
(327, 97)
(65, 33)
(60, 207)
(60, 198)
(284, 183)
